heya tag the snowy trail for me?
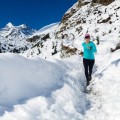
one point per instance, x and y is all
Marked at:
(105, 95)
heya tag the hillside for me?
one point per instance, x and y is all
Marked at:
(99, 19)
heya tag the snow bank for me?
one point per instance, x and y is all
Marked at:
(22, 78)
(40, 89)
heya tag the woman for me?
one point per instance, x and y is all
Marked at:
(89, 49)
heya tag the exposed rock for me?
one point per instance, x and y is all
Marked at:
(33, 39)
(67, 51)
(68, 15)
(47, 36)
(82, 3)
(105, 20)
(54, 48)
(104, 2)
(117, 47)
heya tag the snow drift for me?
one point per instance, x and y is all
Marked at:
(39, 89)
(22, 78)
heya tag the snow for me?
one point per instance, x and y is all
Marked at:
(9, 25)
(13, 38)
(48, 27)
(38, 89)
(57, 90)
(27, 77)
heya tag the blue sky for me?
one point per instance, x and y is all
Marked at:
(35, 13)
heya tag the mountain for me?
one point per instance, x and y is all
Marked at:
(89, 18)
(43, 42)
(13, 38)
(16, 32)
(100, 18)
(65, 38)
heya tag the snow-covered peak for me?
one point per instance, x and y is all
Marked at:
(13, 38)
(23, 26)
(9, 25)
(21, 31)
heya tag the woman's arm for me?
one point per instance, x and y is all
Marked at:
(94, 49)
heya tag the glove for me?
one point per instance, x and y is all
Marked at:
(81, 53)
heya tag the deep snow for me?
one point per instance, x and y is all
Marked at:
(33, 89)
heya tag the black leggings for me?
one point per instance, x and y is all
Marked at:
(88, 65)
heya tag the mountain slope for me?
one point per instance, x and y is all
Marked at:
(13, 38)
(99, 20)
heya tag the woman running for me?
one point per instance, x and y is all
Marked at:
(89, 49)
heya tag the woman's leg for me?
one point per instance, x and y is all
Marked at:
(85, 63)
(91, 64)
